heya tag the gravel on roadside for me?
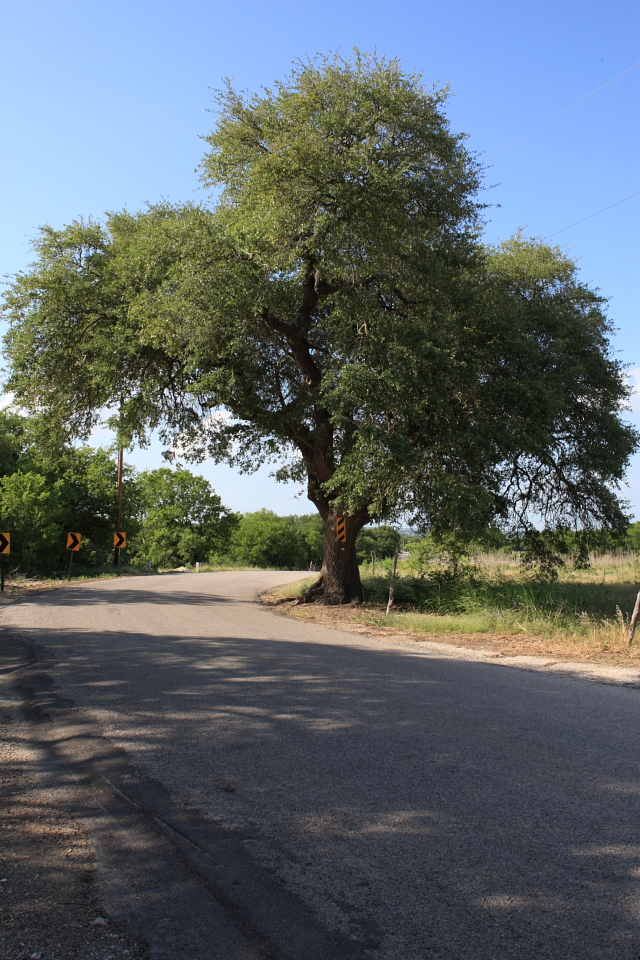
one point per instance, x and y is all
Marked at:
(48, 904)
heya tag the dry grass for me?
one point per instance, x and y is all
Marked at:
(606, 568)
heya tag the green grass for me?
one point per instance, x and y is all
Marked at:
(500, 597)
(433, 623)
(593, 604)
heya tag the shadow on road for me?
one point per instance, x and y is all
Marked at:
(469, 811)
(80, 595)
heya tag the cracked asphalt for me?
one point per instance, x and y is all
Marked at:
(257, 786)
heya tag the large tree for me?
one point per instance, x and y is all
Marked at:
(332, 309)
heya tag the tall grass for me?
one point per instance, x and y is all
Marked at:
(497, 597)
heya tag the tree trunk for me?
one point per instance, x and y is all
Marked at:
(340, 579)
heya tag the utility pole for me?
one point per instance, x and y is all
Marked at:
(119, 515)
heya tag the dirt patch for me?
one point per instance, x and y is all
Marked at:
(25, 588)
(358, 619)
(48, 903)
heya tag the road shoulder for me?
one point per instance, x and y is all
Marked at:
(523, 652)
(165, 883)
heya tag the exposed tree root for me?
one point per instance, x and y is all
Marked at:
(318, 595)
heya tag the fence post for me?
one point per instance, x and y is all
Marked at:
(634, 619)
(392, 585)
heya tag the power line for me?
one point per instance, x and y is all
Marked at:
(547, 122)
(548, 237)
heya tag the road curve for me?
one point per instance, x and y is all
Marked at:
(418, 807)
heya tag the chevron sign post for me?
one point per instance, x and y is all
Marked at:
(5, 547)
(119, 541)
(73, 545)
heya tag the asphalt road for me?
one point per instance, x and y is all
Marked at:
(335, 796)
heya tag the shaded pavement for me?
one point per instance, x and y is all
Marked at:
(398, 804)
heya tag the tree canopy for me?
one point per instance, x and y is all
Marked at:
(333, 310)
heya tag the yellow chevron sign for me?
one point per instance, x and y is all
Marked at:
(341, 529)
(73, 541)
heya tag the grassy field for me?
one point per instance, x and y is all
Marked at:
(584, 612)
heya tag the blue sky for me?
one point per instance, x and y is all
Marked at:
(102, 106)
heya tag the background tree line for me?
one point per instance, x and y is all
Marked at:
(172, 517)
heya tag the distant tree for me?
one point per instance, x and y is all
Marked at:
(48, 488)
(311, 526)
(381, 540)
(183, 519)
(85, 481)
(13, 441)
(633, 536)
(335, 312)
(445, 556)
(264, 539)
(31, 512)
(493, 538)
